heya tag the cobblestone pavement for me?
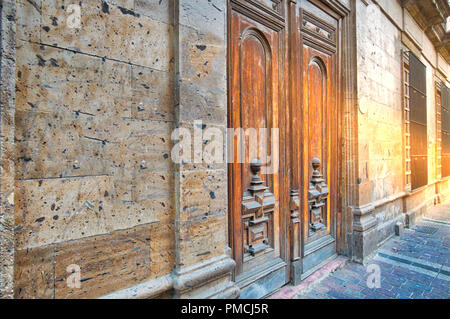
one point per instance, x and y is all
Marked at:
(415, 265)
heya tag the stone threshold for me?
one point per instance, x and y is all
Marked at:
(289, 291)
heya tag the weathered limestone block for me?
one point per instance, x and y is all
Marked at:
(56, 210)
(398, 228)
(203, 193)
(56, 80)
(127, 4)
(152, 94)
(156, 9)
(202, 239)
(387, 216)
(199, 50)
(51, 145)
(142, 173)
(29, 20)
(202, 62)
(162, 250)
(139, 141)
(107, 262)
(365, 236)
(150, 44)
(209, 16)
(34, 273)
(127, 36)
(203, 76)
(417, 203)
(207, 146)
(199, 103)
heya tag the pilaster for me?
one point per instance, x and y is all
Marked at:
(203, 267)
(365, 234)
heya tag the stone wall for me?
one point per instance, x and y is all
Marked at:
(384, 29)
(94, 116)
(380, 103)
(101, 85)
(201, 240)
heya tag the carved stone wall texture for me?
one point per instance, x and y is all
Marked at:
(94, 114)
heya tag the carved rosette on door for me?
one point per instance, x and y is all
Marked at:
(258, 204)
(317, 198)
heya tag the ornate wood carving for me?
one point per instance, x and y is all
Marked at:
(319, 39)
(317, 198)
(295, 223)
(317, 33)
(258, 204)
(272, 4)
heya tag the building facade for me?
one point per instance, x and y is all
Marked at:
(103, 197)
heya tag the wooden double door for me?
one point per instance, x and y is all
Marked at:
(283, 77)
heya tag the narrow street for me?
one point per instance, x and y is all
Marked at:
(415, 265)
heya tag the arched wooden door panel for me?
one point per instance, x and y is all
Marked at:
(319, 135)
(256, 227)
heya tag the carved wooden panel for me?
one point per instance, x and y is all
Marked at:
(271, 4)
(258, 204)
(255, 29)
(295, 224)
(317, 199)
(316, 29)
(318, 63)
(255, 69)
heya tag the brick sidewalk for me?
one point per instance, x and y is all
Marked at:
(415, 265)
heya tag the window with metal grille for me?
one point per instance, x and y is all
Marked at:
(418, 122)
(445, 131)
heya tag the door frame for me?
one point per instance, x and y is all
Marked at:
(347, 148)
(346, 179)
